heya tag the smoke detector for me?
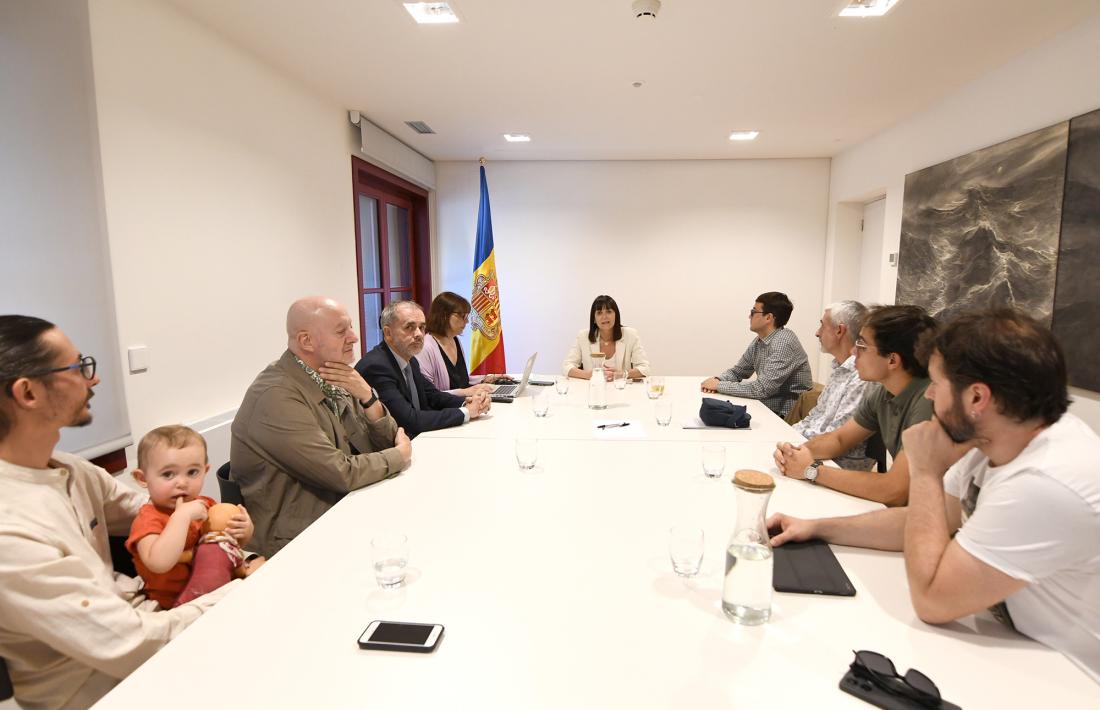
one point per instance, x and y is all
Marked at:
(646, 8)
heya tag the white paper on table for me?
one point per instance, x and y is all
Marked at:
(634, 430)
(697, 423)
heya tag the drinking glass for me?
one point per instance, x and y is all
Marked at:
(390, 556)
(527, 453)
(662, 409)
(685, 549)
(620, 380)
(561, 384)
(654, 387)
(714, 460)
(540, 404)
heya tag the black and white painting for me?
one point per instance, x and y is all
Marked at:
(982, 229)
(1077, 295)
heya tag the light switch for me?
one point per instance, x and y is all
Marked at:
(139, 358)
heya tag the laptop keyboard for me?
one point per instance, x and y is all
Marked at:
(505, 390)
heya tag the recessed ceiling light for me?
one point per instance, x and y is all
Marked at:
(431, 13)
(744, 135)
(868, 8)
(517, 137)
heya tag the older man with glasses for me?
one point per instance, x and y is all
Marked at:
(885, 353)
(70, 627)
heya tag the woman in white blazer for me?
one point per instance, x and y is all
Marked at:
(621, 346)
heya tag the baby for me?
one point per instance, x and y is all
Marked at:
(172, 465)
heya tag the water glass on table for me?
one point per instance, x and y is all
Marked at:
(527, 453)
(390, 557)
(540, 403)
(654, 387)
(662, 410)
(714, 460)
(561, 384)
(621, 379)
(685, 549)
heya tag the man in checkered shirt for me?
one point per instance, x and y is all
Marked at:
(781, 367)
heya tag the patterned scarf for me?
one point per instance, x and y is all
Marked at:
(336, 398)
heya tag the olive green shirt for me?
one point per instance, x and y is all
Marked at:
(891, 415)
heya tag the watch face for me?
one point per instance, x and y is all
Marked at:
(811, 473)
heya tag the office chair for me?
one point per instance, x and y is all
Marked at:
(876, 449)
(6, 691)
(230, 491)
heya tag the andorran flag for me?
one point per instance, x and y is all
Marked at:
(487, 341)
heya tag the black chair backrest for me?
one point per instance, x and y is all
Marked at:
(6, 691)
(231, 492)
(876, 449)
(121, 559)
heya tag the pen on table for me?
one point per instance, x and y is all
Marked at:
(613, 426)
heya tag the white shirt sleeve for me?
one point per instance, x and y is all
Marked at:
(59, 601)
(1012, 528)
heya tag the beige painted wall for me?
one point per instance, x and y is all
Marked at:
(684, 247)
(228, 195)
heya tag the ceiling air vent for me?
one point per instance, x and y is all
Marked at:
(419, 126)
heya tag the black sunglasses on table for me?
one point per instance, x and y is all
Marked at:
(880, 671)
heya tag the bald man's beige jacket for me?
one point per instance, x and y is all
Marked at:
(294, 459)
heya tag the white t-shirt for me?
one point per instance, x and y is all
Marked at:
(1037, 519)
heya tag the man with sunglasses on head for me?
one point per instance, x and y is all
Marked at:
(70, 627)
(885, 354)
(1004, 495)
(775, 356)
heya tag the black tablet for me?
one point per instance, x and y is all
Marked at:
(809, 568)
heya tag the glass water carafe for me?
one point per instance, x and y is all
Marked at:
(747, 587)
(597, 389)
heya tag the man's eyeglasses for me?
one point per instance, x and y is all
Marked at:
(86, 365)
(913, 685)
(755, 312)
(862, 344)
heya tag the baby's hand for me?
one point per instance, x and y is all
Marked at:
(192, 509)
(240, 526)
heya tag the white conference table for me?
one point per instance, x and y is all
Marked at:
(571, 419)
(556, 592)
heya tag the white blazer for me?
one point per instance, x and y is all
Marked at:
(629, 353)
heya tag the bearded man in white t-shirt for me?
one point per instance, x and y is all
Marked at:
(1004, 491)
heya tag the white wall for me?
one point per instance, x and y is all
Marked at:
(53, 241)
(1052, 83)
(683, 246)
(228, 195)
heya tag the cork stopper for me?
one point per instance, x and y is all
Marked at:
(754, 481)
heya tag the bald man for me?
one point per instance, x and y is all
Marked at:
(310, 428)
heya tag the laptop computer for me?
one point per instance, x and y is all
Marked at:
(507, 393)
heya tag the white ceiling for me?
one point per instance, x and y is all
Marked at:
(562, 70)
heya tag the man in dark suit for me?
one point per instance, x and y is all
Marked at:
(393, 370)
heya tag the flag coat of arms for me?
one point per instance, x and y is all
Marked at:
(487, 340)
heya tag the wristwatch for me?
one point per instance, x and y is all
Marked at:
(811, 471)
(372, 400)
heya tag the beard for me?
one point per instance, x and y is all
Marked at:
(83, 416)
(958, 428)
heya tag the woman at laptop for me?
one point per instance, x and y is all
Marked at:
(620, 346)
(442, 361)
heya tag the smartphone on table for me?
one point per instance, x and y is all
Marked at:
(401, 636)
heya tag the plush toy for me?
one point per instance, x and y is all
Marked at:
(217, 556)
